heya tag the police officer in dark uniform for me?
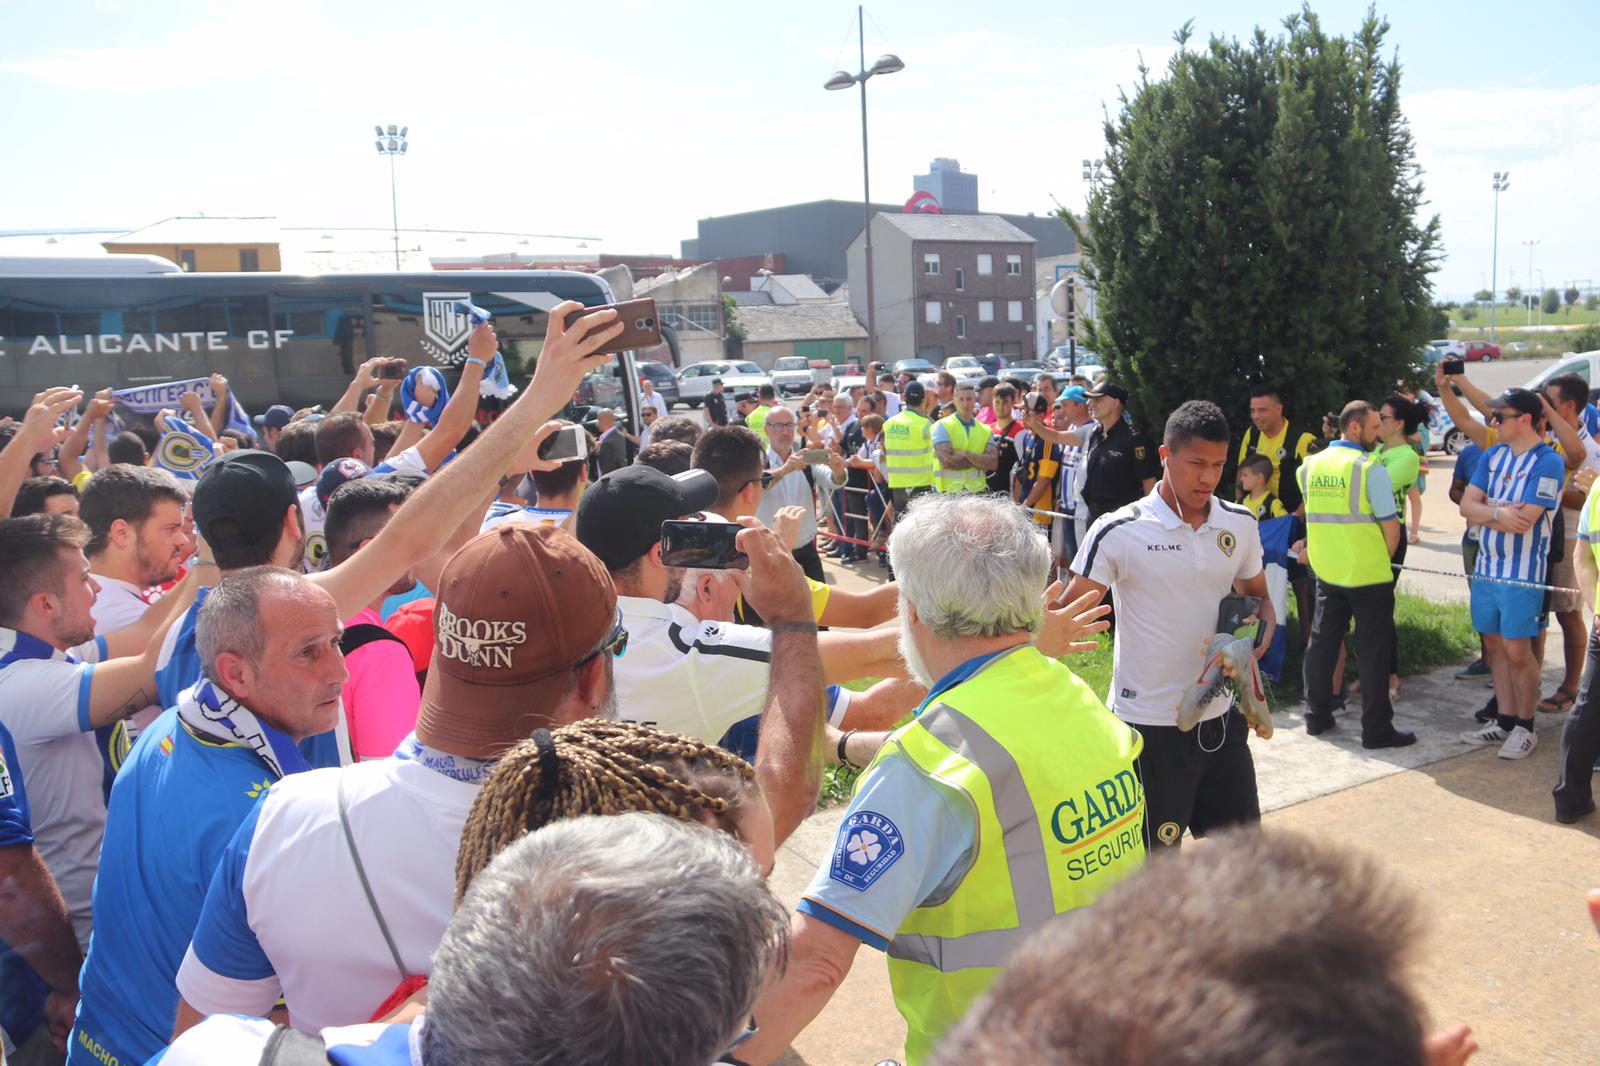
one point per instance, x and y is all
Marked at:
(1122, 466)
(716, 404)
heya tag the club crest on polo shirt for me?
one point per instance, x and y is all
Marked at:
(1227, 542)
(867, 845)
(479, 641)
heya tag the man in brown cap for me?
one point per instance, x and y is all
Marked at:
(340, 885)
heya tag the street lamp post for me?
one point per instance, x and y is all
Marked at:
(886, 64)
(391, 144)
(1501, 183)
(1528, 301)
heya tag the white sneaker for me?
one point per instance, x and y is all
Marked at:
(1491, 733)
(1520, 744)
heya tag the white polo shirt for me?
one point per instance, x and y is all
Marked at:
(692, 677)
(1168, 580)
(285, 913)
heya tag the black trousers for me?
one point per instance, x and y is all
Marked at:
(1580, 741)
(1201, 780)
(1394, 634)
(903, 497)
(806, 555)
(1372, 606)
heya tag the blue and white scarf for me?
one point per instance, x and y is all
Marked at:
(414, 409)
(214, 714)
(455, 767)
(496, 382)
(184, 451)
(150, 399)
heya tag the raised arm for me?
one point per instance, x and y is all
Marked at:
(37, 433)
(219, 404)
(76, 443)
(190, 402)
(120, 686)
(366, 378)
(789, 751)
(1573, 452)
(458, 413)
(1476, 431)
(424, 522)
(1054, 436)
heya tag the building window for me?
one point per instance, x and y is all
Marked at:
(961, 279)
(186, 259)
(1013, 310)
(933, 312)
(985, 310)
(249, 259)
(930, 263)
(985, 264)
(1014, 265)
(961, 325)
(703, 317)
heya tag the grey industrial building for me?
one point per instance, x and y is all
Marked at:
(813, 237)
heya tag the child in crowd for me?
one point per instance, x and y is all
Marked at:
(1254, 474)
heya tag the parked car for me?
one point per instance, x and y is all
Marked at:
(601, 387)
(965, 367)
(845, 382)
(741, 375)
(1584, 364)
(663, 377)
(1449, 349)
(992, 363)
(1442, 432)
(1023, 367)
(791, 375)
(920, 369)
(1481, 351)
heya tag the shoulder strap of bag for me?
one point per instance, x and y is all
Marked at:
(363, 633)
(366, 886)
(290, 1047)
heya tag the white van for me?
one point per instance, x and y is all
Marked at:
(1584, 364)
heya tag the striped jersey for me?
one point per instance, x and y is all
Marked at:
(1509, 479)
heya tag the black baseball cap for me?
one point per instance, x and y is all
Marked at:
(744, 397)
(915, 393)
(620, 516)
(1111, 389)
(1523, 400)
(241, 498)
(337, 473)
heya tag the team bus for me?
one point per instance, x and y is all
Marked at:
(125, 321)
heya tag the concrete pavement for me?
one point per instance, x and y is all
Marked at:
(1509, 947)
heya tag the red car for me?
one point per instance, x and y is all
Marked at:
(1481, 351)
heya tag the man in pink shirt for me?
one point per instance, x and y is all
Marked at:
(382, 695)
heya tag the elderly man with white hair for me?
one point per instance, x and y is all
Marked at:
(1009, 799)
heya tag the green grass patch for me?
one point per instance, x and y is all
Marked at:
(1430, 634)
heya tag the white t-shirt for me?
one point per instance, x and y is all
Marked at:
(687, 676)
(229, 1040)
(286, 915)
(44, 702)
(1168, 579)
(119, 603)
(794, 490)
(655, 400)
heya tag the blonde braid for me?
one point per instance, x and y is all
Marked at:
(601, 768)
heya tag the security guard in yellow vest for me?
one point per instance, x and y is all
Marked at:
(756, 420)
(962, 445)
(1352, 530)
(1009, 799)
(908, 448)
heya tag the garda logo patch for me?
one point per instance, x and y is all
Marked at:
(867, 845)
(1548, 488)
(1227, 542)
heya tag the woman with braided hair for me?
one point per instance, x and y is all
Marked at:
(602, 767)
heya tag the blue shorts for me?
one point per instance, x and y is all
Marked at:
(1509, 610)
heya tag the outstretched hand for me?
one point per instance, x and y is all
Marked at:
(1066, 625)
(568, 354)
(39, 431)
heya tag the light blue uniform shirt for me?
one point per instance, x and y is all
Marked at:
(905, 840)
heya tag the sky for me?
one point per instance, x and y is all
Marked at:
(629, 121)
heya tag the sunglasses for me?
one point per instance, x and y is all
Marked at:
(765, 479)
(1506, 416)
(615, 644)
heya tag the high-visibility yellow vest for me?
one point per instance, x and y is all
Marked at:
(756, 422)
(908, 450)
(1060, 813)
(1591, 516)
(1344, 540)
(973, 439)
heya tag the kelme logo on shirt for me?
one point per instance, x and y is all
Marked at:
(479, 641)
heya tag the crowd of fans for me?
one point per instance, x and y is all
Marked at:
(338, 736)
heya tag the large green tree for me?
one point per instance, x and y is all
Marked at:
(1257, 222)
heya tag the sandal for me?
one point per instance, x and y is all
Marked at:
(1561, 701)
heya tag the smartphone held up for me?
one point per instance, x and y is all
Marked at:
(702, 545)
(641, 328)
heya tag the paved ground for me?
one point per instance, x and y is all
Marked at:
(1502, 885)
